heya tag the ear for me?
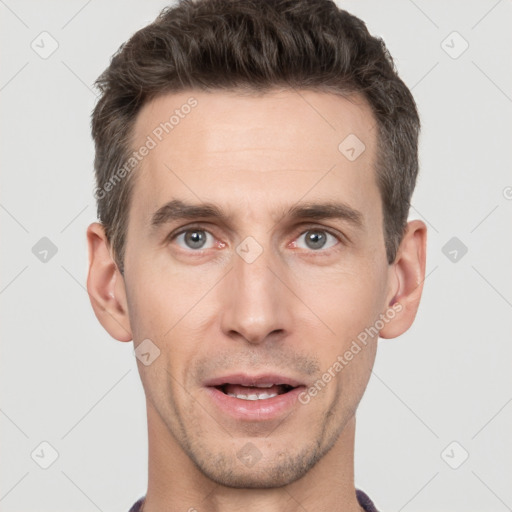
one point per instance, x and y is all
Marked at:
(105, 286)
(408, 270)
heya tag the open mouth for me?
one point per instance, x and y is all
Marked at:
(254, 398)
(258, 392)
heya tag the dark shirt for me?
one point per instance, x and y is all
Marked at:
(362, 498)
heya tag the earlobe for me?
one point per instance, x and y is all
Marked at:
(105, 286)
(409, 269)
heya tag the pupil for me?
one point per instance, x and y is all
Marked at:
(195, 239)
(315, 240)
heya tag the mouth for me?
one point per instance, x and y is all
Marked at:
(254, 398)
(260, 392)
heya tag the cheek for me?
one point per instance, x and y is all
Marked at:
(167, 306)
(162, 310)
(159, 297)
(346, 301)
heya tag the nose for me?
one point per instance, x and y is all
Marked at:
(256, 301)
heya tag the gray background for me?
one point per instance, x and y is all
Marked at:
(448, 379)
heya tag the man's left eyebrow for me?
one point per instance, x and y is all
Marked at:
(329, 210)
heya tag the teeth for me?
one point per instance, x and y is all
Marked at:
(260, 396)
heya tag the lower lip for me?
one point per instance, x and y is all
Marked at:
(255, 410)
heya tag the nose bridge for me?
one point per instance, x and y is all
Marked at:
(257, 303)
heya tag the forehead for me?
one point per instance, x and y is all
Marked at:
(250, 152)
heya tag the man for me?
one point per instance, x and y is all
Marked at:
(255, 162)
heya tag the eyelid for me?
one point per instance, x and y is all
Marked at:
(183, 229)
(302, 229)
(341, 237)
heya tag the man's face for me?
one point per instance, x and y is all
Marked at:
(259, 297)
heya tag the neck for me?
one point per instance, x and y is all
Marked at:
(176, 484)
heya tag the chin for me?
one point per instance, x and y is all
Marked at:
(271, 471)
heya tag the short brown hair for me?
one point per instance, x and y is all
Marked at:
(256, 45)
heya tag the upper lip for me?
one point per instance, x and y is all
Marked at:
(244, 379)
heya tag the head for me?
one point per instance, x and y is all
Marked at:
(255, 165)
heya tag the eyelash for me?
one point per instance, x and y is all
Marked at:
(340, 238)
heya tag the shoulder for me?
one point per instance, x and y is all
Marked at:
(364, 501)
(137, 505)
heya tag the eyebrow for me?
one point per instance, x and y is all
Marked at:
(179, 210)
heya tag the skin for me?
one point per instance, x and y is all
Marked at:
(292, 311)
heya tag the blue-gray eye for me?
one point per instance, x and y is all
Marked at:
(317, 239)
(194, 239)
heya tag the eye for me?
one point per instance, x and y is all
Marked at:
(194, 239)
(317, 239)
